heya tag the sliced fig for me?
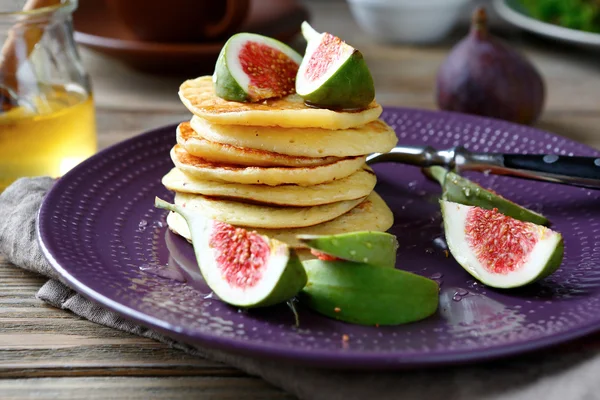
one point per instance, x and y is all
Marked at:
(253, 67)
(368, 247)
(366, 294)
(243, 268)
(498, 250)
(333, 74)
(461, 190)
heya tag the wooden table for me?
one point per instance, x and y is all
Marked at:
(47, 353)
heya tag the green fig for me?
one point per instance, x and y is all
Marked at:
(461, 190)
(368, 247)
(366, 294)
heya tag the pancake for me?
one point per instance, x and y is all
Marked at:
(370, 215)
(197, 146)
(355, 186)
(199, 97)
(260, 215)
(374, 137)
(304, 176)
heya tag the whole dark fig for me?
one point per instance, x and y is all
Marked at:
(484, 76)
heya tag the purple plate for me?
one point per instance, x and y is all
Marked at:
(99, 229)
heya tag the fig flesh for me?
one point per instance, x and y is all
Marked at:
(243, 268)
(498, 250)
(484, 76)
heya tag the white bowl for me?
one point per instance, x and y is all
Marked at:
(408, 21)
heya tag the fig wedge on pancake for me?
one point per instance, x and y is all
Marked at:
(354, 186)
(370, 215)
(253, 67)
(374, 137)
(199, 96)
(303, 176)
(197, 146)
(333, 74)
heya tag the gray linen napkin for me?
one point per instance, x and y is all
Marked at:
(564, 373)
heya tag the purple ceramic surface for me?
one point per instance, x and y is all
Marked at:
(99, 229)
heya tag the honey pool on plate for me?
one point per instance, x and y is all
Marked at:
(50, 141)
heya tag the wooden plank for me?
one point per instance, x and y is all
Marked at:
(582, 127)
(115, 126)
(52, 340)
(37, 340)
(32, 370)
(60, 355)
(217, 388)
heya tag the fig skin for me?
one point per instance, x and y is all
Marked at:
(484, 76)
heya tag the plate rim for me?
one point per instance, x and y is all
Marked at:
(508, 13)
(312, 357)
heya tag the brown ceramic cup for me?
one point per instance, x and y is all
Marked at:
(180, 20)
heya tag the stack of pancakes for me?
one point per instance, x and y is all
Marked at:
(279, 167)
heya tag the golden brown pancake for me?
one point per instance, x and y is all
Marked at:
(354, 186)
(304, 176)
(260, 215)
(199, 97)
(197, 146)
(370, 215)
(374, 137)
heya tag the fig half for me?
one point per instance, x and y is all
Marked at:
(243, 268)
(253, 67)
(498, 250)
(333, 74)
